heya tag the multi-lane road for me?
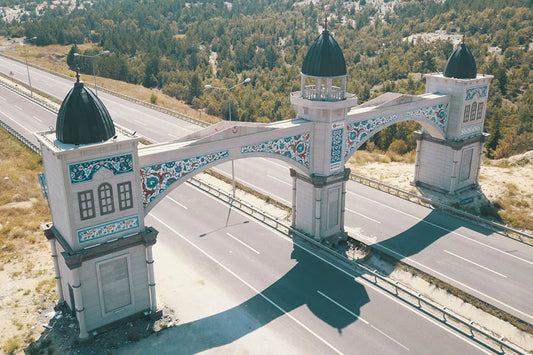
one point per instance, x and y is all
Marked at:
(473, 258)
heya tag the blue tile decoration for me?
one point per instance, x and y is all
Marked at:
(296, 147)
(336, 148)
(83, 172)
(108, 229)
(358, 132)
(480, 91)
(157, 178)
(437, 114)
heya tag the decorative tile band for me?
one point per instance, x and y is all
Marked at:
(157, 178)
(82, 172)
(466, 131)
(480, 91)
(358, 132)
(438, 114)
(108, 229)
(336, 148)
(296, 147)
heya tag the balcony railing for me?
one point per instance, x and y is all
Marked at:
(335, 93)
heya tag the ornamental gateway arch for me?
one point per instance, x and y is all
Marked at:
(101, 184)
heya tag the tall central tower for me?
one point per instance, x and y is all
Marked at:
(319, 203)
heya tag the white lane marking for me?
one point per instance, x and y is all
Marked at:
(271, 161)
(473, 263)
(372, 286)
(3, 98)
(141, 123)
(37, 119)
(359, 279)
(282, 181)
(450, 278)
(16, 122)
(362, 215)
(444, 229)
(177, 203)
(173, 135)
(18, 107)
(248, 285)
(342, 307)
(243, 243)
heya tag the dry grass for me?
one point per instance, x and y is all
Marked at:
(26, 275)
(54, 57)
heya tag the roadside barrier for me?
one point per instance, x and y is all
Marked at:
(463, 326)
(395, 288)
(422, 200)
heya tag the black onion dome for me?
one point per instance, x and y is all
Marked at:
(83, 118)
(324, 58)
(461, 64)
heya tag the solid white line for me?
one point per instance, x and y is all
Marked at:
(249, 286)
(356, 278)
(282, 181)
(452, 279)
(370, 285)
(177, 203)
(362, 215)
(37, 118)
(272, 161)
(391, 338)
(444, 229)
(342, 307)
(243, 243)
(16, 122)
(473, 263)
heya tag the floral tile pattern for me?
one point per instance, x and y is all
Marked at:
(358, 132)
(470, 130)
(438, 114)
(336, 148)
(82, 172)
(297, 148)
(108, 229)
(480, 91)
(157, 178)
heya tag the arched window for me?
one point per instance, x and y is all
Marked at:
(467, 113)
(105, 196)
(473, 111)
(479, 111)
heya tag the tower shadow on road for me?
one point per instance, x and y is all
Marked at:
(309, 283)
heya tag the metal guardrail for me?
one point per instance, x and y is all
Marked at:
(20, 137)
(395, 288)
(515, 233)
(167, 111)
(361, 179)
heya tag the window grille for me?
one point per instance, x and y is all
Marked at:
(125, 197)
(86, 204)
(105, 196)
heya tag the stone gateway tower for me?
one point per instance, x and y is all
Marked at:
(452, 164)
(101, 249)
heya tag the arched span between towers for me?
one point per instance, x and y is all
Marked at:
(165, 166)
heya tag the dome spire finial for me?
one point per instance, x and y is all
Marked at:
(77, 74)
(326, 24)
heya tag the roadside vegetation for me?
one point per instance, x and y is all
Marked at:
(26, 269)
(175, 48)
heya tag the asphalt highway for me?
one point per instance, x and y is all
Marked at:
(467, 255)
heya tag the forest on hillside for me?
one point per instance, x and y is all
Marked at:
(180, 46)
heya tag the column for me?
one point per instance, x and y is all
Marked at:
(151, 278)
(78, 300)
(57, 271)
